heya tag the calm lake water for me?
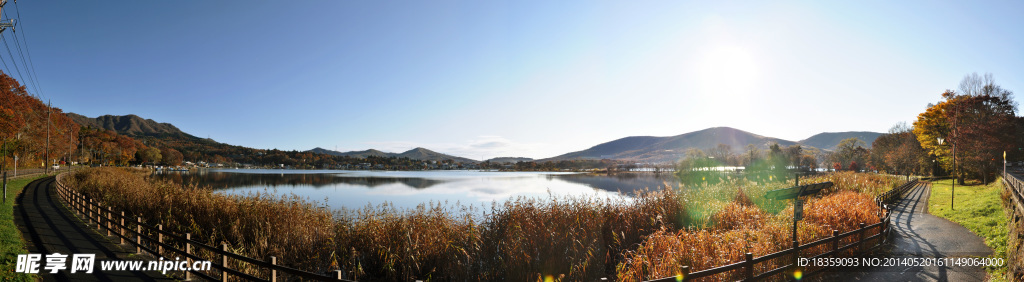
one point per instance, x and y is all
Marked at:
(407, 189)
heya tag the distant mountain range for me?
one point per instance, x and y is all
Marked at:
(640, 148)
(673, 148)
(509, 160)
(131, 125)
(415, 154)
(829, 140)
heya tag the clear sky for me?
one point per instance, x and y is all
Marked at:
(483, 79)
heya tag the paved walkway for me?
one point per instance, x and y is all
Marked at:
(922, 235)
(48, 227)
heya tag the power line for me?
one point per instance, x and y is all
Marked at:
(31, 80)
(13, 61)
(32, 65)
(5, 64)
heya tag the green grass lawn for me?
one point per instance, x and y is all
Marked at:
(978, 208)
(11, 244)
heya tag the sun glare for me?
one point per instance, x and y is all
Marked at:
(727, 73)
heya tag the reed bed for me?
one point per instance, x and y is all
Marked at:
(744, 224)
(571, 238)
(258, 226)
(557, 238)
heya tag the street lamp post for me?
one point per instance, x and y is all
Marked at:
(953, 186)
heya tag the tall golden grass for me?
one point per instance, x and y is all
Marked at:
(567, 238)
(298, 232)
(742, 224)
(573, 238)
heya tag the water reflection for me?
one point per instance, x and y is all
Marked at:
(227, 180)
(355, 189)
(628, 183)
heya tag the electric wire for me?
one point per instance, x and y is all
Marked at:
(7, 69)
(31, 81)
(13, 61)
(28, 52)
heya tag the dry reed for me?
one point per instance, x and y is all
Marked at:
(569, 238)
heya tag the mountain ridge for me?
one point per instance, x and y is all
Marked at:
(639, 148)
(671, 148)
(829, 140)
(131, 125)
(418, 153)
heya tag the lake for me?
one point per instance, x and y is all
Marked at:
(407, 189)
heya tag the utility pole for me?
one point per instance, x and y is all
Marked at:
(70, 141)
(3, 25)
(46, 168)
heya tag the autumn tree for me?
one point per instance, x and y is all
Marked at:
(150, 155)
(752, 155)
(848, 151)
(25, 124)
(897, 152)
(722, 153)
(980, 120)
(171, 157)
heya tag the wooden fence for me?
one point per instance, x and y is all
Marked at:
(858, 241)
(154, 240)
(1015, 187)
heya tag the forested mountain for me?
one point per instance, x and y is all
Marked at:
(415, 154)
(829, 140)
(131, 125)
(672, 148)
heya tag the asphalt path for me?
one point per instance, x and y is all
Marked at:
(918, 234)
(48, 227)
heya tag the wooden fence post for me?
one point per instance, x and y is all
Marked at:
(888, 226)
(138, 235)
(860, 237)
(160, 240)
(796, 254)
(188, 253)
(99, 216)
(835, 242)
(90, 210)
(121, 229)
(337, 274)
(750, 267)
(224, 262)
(273, 271)
(109, 219)
(684, 272)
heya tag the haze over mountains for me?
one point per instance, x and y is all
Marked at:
(829, 140)
(639, 148)
(673, 148)
(416, 154)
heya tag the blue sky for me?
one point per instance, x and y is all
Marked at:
(482, 79)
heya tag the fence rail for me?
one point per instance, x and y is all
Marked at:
(158, 242)
(851, 243)
(1016, 188)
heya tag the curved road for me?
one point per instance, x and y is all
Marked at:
(922, 235)
(48, 227)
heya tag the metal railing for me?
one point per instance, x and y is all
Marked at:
(160, 243)
(849, 243)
